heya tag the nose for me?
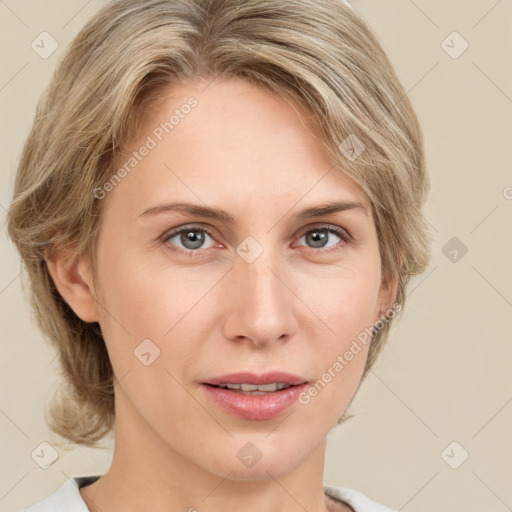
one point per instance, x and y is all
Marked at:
(260, 302)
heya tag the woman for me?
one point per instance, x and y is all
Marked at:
(219, 208)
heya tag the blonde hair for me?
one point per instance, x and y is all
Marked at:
(318, 53)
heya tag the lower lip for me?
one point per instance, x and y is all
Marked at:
(255, 407)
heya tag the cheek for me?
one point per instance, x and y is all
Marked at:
(143, 301)
(346, 298)
(346, 307)
(149, 327)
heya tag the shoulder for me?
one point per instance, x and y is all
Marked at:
(66, 498)
(356, 499)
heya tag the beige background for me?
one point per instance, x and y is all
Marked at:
(445, 375)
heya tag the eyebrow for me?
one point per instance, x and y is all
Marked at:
(224, 216)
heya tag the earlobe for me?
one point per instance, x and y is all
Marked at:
(72, 276)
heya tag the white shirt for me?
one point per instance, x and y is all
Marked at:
(67, 498)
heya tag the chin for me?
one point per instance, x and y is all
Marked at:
(262, 461)
(260, 472)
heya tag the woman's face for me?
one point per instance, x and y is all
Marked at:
(272, 288)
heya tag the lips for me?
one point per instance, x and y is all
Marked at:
(259, 407)
(255, 405)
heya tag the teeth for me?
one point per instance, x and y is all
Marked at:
(253, 387)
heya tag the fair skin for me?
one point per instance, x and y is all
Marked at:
(295, 308)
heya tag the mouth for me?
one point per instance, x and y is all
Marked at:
(255, 397)
(254, 389)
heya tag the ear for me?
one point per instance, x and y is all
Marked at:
(388, 292)
(72, 275)
(387, 297)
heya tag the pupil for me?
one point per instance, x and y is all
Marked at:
(192, 239)
(318, 236)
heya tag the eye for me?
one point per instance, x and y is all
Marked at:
(322, 238)
(192, 240)
(188, 239)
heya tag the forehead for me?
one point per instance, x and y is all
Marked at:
(230, 140)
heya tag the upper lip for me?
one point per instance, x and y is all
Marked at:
(252, 378)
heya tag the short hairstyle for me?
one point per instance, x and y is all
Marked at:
(318, 54)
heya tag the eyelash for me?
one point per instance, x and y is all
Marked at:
(343, 234)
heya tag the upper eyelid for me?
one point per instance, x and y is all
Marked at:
(170, 233)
